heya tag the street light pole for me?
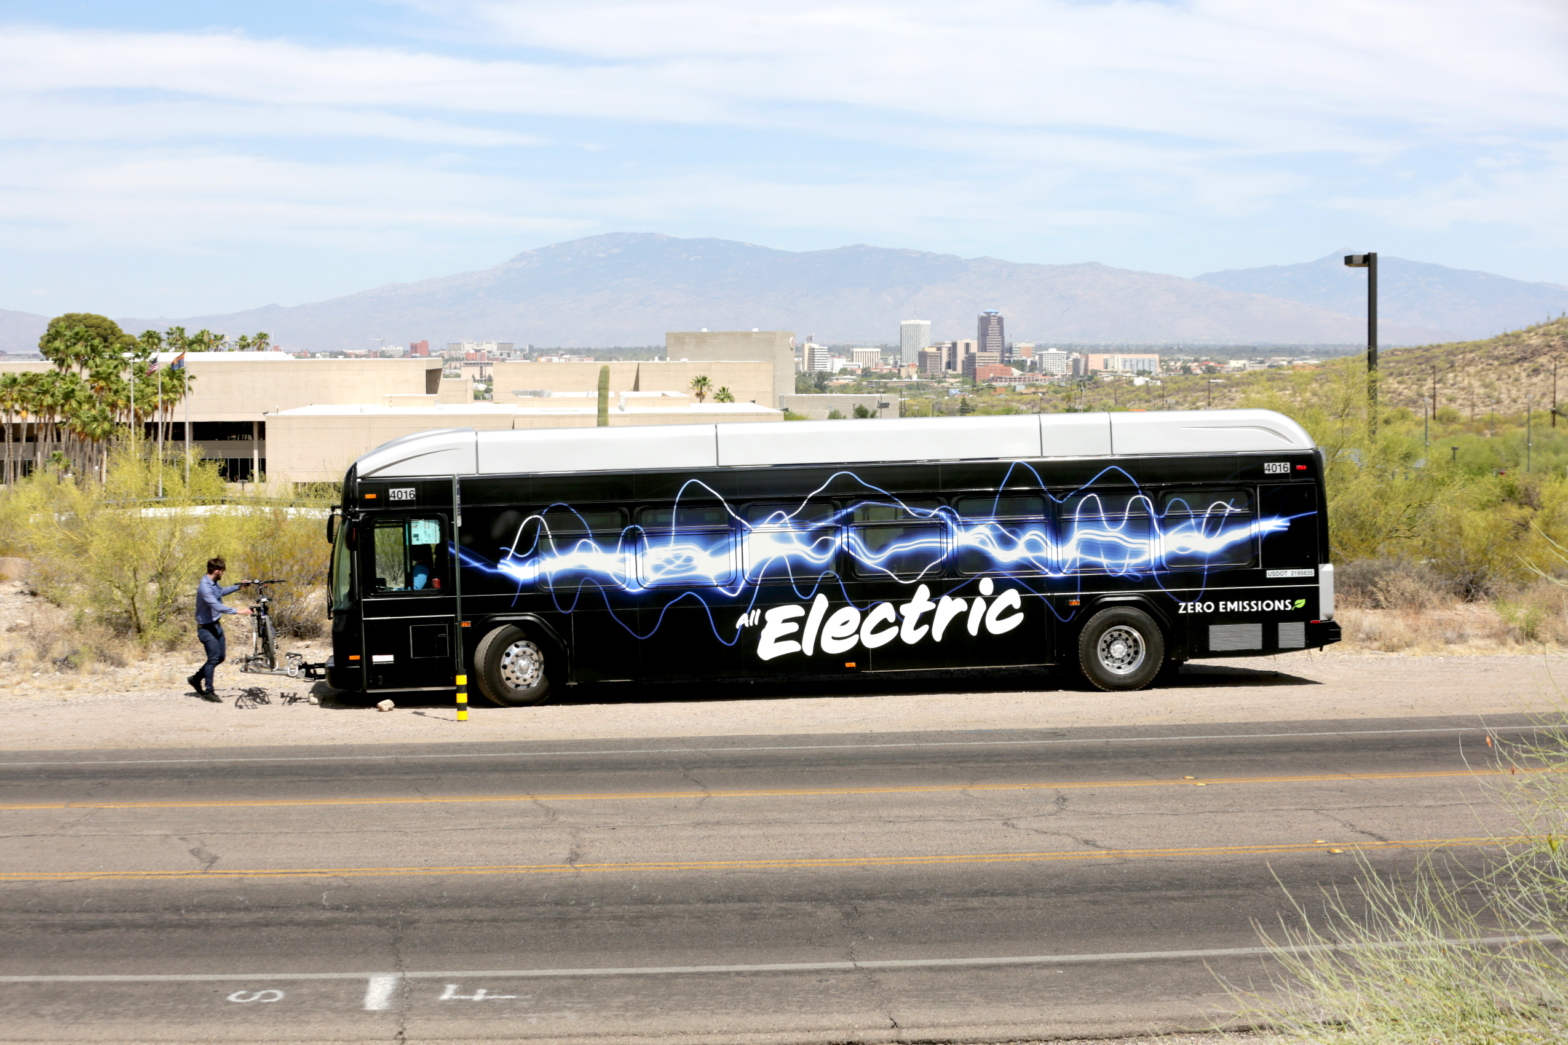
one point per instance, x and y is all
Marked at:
(1369, 262)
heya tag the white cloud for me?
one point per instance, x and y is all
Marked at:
(972, 127)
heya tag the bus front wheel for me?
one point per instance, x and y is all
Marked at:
(513, 668)
(1121, 648)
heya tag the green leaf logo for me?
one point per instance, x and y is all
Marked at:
(1300, 603)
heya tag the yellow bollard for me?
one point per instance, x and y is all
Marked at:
(462, 698)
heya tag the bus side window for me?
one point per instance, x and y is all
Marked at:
(562, 548)
(686, 546)
(1110, 532)
(790, 542)
(901, 539)
(1207, 529)
(1003, 533)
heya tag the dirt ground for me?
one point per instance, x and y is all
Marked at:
(156, 711)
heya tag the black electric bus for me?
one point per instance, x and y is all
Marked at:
(1116, 544)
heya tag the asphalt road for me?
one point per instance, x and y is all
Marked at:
(981, 886)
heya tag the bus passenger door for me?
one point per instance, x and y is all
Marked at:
(408, 603)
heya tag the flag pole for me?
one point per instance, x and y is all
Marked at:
(160, 433)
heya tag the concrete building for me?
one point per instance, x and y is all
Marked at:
(1122, 362)
(749, 381)
(771, 346)
(818, 407)
(913, 336)
(232, 394)
(1054, 361)
(816, 357)
(990, 336)
(931, 362)
(868, 358)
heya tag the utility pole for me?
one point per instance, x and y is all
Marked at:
(1369, 262)
(1528, 414)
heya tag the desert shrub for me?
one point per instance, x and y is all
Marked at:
(269, 541)
(1389, 584)
(107, 554)
(123, 563)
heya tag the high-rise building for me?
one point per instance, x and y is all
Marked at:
(913, 335)
(957, 352)
(868, 358)
(419, 348)
(817, 357)
(931, 360)
(991, 337)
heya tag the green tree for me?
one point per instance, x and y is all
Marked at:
(700, 386)
(724, 395)
(861, 411)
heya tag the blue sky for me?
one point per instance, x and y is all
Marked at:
(184, 158)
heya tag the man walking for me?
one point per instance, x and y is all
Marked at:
(209, 624)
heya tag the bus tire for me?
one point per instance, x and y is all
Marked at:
(513, 668)
(1121, 648)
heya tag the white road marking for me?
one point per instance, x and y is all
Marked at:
(378, 992)
(772, 747)
(261, 996)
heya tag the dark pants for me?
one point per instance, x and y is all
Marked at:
(212, 641)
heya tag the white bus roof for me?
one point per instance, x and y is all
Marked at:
(463, 451)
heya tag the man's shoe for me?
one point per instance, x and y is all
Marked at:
(194, 682)
(212, 698)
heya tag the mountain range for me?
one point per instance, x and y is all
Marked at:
(1464, 304)
(629, 288)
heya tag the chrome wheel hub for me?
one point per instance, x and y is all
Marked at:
(522, 665)
(1121, 650)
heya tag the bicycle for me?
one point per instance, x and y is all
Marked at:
(263, 659)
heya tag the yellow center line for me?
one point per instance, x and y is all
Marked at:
(782, 793)
(744, 865)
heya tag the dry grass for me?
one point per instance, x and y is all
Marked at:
(1390, 606)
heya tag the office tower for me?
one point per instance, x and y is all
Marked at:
(931, 360)
(957, 352)
(913, 335)
(991, 337)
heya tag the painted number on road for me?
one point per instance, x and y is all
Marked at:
(244, 997)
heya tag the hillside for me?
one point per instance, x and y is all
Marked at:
(20, 331)
(1462, 303)
(628, 289)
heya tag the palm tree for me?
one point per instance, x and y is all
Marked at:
(724, 395)
(700, 385)
(10, 401)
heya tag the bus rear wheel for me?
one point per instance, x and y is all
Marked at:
(512, 668)
(1121, 648)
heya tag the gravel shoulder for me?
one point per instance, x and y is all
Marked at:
(89, 712)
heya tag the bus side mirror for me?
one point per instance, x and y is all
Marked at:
(332, 527)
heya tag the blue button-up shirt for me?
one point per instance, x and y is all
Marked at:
(209, 600)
